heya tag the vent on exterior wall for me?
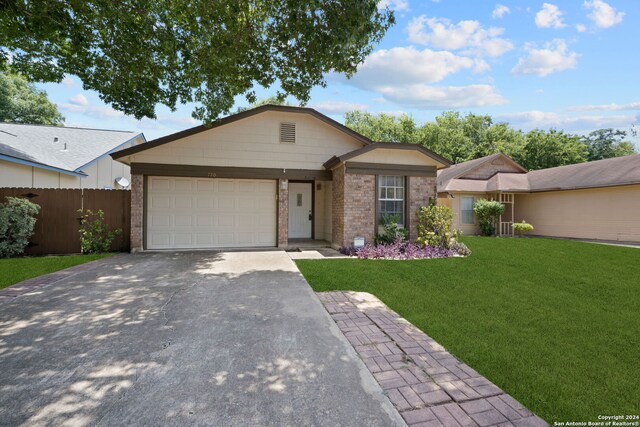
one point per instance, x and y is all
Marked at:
(288, 132)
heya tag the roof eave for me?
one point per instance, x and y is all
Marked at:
(12, 159)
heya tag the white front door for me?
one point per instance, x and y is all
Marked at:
(300, 210)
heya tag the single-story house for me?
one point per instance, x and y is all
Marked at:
(595, 200)
(272, 176)
(40, 156)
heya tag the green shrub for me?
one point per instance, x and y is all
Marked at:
(522, 227)
(17, 219)
(487, 212)
(434, 226)
(95, 235)
(392, 232)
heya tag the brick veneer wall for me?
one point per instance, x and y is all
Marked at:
(283, 214)
(337, 206)
(137, 214)
(421, 188)
(360, 207)
(353, 206)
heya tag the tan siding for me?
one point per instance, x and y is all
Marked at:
(254, 142)
(397, 157)
(455, 205)
(15, 175)
(45, 179)
(603, 213)
(323, 210)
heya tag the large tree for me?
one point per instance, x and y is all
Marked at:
(22, 102)
(452, 135)
(384, 127)
(139, 53)
(607, 143)
(548, 149)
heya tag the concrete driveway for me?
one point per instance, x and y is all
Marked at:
(197, 338)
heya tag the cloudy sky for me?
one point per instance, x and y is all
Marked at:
(570, 64)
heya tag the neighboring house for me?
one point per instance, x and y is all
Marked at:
(40, 156)
(269, 177)
(594, 200)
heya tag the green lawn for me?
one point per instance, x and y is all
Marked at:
(554, 323)
(14, 270)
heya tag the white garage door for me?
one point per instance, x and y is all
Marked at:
(187, 213)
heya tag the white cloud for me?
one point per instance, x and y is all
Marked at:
(68, 81)
(603, 14)
(468, 36)
(95, 111)
(549, 16)
(337, 107)
(79, 99)
(607, 107)
(542, 119)
(408, 65)
(499, 11)
(443, 97)
(581, 28)
(553, 57)
(396, 5)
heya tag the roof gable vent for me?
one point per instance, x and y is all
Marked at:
(288, 132)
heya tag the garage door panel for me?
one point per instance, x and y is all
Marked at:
(225, 220)
(205, 185)
(183, 185)
(183, 221)
(160, 184)
(209, 213)
(226, 186)
(160, 202)
(183, 202)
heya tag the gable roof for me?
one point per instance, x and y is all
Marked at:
(335, 160)
(600, 173)
(239, 116)
(460, 169)
(44, 146)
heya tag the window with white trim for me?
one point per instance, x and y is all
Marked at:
(391, 196)
(466, 210)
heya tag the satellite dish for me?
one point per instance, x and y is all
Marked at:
(122, 181)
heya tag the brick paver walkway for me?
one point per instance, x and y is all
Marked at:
(38, 282)
(426, 383)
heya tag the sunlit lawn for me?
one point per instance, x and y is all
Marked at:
(554, 323)
(14, 270)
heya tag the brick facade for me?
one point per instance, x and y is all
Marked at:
(337, 207)
(137, 212)
(354, 207)
(421, 188)
(283, 213)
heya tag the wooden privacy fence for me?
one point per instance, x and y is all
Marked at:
(58, 223)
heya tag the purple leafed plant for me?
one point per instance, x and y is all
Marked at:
(398, 250)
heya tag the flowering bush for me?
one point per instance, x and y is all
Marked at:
(434, 226)
(398, 250)
(459, 248)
